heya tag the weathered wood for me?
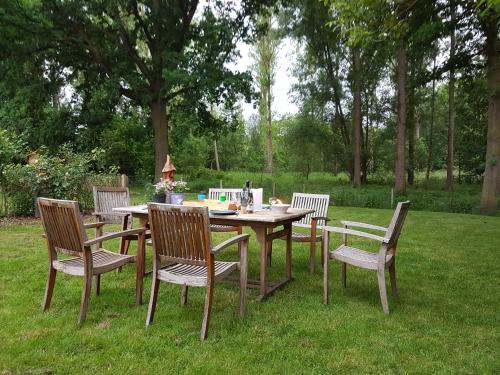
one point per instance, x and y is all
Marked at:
(182, 234)
(385, 258)
(65, 234)
(318, 203)
(260, 221)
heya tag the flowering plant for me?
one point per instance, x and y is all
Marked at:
(161, 187)
(177, 186)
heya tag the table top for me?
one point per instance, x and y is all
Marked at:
(265, 216)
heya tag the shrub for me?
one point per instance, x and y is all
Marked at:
(67, 175)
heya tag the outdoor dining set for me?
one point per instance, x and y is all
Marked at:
(182, 248)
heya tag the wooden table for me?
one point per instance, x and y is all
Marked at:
(262, 223)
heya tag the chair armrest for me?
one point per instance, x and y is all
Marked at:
(321, 218)
(110, 236)
(363, 225)
(232, 240)
(93, 225)
(355, 233)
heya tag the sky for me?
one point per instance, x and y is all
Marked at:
(283, 103)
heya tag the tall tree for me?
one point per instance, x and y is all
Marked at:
(357, 115)
(155, 52)
(451, 103)
(399, 165)
(489, 18)
(266, 51)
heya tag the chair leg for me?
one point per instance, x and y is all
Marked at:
(243, 276)
(49, 289)
(97, 284)
(392, 274)
(239, 231)
(87, 287)
(312, 256)
(184, 295)
(344, 275)
(382, 289)
(152, 300)
(207, 309)
(322, 254)
(124, 245)
(325, 273)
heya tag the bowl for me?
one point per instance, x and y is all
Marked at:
(280, 208)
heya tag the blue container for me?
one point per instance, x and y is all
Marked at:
(202, 196)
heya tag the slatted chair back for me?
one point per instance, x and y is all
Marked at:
(398, 219)
(233, 195)
(63, 226)
(180, 234)
(317, 202)
(107, 198)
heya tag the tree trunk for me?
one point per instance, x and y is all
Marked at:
(357, 117)
(216, 154)
(431, 127)
(411, 135)
(366, 150)
(400, 186)
(491, 182)
(269, 120)
(451, 108)
(160, 127)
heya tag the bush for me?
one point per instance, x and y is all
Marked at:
(67, 175)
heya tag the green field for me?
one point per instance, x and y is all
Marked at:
(446, 320)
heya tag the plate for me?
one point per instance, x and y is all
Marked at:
(223, 212)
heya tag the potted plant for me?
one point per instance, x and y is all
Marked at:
(177, 190)
(160, 191)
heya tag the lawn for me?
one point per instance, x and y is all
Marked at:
(446, 320)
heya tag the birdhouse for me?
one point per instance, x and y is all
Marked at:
(168, 170)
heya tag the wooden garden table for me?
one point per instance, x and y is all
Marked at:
(263, 223)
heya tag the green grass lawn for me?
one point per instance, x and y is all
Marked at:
(446, 320)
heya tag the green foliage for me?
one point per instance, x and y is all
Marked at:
(193, 156)
(67, 175)
(308, 144)
(127, 142)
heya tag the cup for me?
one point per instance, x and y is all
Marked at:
(222, 198)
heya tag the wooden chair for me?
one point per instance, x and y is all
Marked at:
(107, 198)
(386, 256)
(319, 203)
(181, 235)
(231, 195)
(65, 234)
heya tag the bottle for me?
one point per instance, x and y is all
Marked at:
(250, 202)
(245, 195)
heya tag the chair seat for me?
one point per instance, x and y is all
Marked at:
(306, 237)
(187, 274)
(102, 261)
(223, 228)
(358, 257)
(302, 237)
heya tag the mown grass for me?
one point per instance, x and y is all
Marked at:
(446, 320)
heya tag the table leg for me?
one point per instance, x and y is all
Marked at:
(288, 259)
(140, 263)
(261, 238)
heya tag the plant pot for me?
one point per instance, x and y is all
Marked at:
(176, 198)
(159, 198)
